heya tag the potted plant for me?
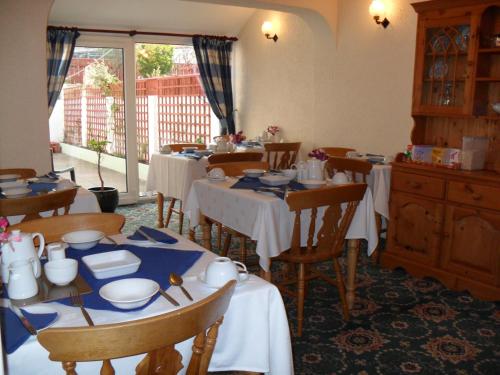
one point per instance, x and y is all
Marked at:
(106, 196)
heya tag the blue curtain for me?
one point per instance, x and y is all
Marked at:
(60, 48)
(214, 63)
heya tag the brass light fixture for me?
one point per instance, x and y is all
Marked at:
(268, 29)
(377, 10)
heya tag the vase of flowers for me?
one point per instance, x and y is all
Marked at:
(237, 138)
(274, 133)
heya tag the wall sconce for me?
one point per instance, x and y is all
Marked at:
(377, 10)
(267, 30)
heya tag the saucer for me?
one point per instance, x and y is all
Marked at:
(201, 277)
(219, 179)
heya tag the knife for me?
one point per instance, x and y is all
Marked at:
(169, 298)
(16, 310)
(147, 236)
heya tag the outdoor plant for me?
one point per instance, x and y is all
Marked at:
(99, 147)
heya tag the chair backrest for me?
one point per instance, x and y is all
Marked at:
(282, 155)
(340, 152)
(348, 166)
(32, 206)
(237, 168)
(231, 157)
(155, 336)
(177, 147)
(331, 235)
(23, 172)
(54, 227)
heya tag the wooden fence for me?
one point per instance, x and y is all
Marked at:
(181, 113)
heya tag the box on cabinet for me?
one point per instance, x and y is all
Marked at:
(474, 152)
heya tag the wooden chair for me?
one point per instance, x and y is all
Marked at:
(233, 157)
(330, 238)
(32, 206)
(337, 151)
(236, 169)
(54, 227)
(283, 155)
(349, 166)
(23, 172)
(175, 147)
(154, 336)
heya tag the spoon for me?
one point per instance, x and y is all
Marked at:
(177, 281)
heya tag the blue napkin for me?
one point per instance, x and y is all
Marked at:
(37, 187)
(190, 155)
(13, 332)
(253, 183)
(153, 233)
(157, 264)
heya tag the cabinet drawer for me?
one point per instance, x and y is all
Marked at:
(475, 195)
(418, 184)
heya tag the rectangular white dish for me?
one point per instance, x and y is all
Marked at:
(274, 180)
(112, 263)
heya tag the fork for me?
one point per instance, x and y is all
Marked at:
(76, 300)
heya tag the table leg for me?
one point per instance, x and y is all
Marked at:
(207, 235)
(159, 203)
(192, 236)
(352, 260)
(266, 275)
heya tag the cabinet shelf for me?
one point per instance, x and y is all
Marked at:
(488, 79)
(489, 50)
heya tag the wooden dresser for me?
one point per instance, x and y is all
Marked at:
(445, 223)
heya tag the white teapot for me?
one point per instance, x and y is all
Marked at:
(222, 269)
(20, 246)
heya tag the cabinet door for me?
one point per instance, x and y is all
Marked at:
(415, 227)
(471, 245)
(444, 63)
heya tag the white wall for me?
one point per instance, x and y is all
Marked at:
(24, 131)
(351, 88)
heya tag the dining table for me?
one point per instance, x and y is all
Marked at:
(254, 336)
(85, 201)
(266, 219)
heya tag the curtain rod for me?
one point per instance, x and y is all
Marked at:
(135, 32)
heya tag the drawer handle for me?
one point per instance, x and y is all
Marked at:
(415, 185)
(474, 195)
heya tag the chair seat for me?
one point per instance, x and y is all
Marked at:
(303, 255)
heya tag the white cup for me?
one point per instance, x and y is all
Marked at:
(340, 178)
(62, 271)
(217, 173)
(290, 173)
(222, 269)
(55, 251)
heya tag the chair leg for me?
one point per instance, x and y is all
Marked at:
(219, 235)
(227, 243)
(181, 218)
(300, 299)
(159, 203)
(169, 211)
(341, 288)
(243, 250)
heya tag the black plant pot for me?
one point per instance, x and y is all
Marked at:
(107, 198)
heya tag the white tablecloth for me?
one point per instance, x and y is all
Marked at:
(253, 337)
(85, 202)
(266, 219)
(379, 181)
(173, 175)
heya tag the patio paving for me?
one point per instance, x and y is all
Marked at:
(86, 173)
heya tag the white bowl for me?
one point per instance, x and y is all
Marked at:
(312, 184)
(16, 192)
(61, 271)
(112, 263)
(189, 149)
(9, 177)
(129, 293)
(13, 184)
(254, 172)
(216, 174)
(274, 180)
(82, 239)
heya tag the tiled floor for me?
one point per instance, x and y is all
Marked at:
(86, 173)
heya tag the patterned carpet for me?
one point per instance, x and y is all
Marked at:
(399, 325)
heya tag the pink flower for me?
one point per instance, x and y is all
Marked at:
(237, 138)
(318, 153)
(4, 223)
(273, 130)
